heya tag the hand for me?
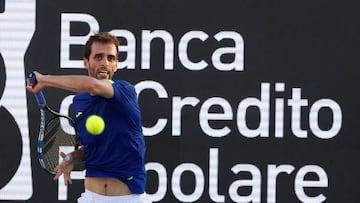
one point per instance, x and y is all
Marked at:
(35, 88)
(65, 167)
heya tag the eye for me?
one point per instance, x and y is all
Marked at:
(111, 58)
(98, 57)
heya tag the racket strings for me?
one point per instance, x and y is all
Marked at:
(54, 137)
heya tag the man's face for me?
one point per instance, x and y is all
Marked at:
(102, 62)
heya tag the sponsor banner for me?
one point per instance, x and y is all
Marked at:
(242, 101)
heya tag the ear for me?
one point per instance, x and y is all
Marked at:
(86, 63)
(116, 67)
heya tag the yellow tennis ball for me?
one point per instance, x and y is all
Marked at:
(95, 125)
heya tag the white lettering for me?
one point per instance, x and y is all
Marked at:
(273, 172)
(178, 104)
(129, 48)
(67, 40)
(296, 103)
(64, 110)
(199, 182)
(235, 189)
(263, 105)
(205, 116)
(279, 111)
(214, 176)
(162, 177)
(161, 93)
(301, 183)
(254, 182)
(147, 38)
(314, 118)
(238, 51)
(183, 50)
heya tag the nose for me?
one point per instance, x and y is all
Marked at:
(105, 62)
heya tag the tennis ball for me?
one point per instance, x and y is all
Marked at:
(95, 125)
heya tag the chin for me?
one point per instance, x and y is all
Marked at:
(101, 77)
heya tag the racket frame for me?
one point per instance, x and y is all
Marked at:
(40, 99)
(42, 130)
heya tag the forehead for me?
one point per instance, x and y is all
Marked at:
(103, 48)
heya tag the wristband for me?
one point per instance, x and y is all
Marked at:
(67, 157)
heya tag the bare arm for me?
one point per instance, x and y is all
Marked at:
(66, 166)
(75, 83)
(77, 155)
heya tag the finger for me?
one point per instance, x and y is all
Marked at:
(67, 178)
(28, 84)
(58, 173)
(56, 177)
(62, 154)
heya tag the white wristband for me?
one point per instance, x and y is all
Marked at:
(67, 157)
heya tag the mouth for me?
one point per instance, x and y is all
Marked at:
(103, 74)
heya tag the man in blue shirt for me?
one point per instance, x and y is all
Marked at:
(114, 160)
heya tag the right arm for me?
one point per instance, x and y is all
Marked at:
(75, 83)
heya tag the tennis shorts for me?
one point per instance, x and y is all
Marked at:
(91, 197)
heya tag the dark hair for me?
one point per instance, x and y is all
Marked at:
(102, 37)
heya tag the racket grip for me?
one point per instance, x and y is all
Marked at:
(32, 78)
(40, 99)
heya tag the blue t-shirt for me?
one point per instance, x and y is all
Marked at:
(118, 152)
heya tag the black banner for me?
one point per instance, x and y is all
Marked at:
(242, 101)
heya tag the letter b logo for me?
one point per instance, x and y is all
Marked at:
(15, 36)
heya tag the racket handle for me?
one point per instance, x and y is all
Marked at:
(40, 99)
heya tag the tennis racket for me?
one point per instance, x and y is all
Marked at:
(55, 130)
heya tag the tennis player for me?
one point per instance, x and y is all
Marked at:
(114, 160)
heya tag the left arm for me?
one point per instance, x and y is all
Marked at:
(66, 166)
